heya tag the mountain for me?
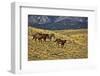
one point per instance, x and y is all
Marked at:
(57, 22)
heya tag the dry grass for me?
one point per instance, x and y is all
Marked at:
(49, 50)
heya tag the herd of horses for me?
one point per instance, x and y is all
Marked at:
(44, 37)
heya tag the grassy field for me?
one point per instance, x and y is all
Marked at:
(76, 49)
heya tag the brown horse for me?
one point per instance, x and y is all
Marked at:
(51, 36)
(41, 36)
(60, 42)
(37, 36)
(44, 36)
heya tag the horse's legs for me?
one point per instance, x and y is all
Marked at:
(35, 39)
(44, 39)
(62, 46)
(40, 40)
(32, 37)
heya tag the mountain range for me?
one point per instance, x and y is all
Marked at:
(57, 22)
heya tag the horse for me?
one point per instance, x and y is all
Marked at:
(37, 36)
(60, 42)
(51, 36)
(42, 36)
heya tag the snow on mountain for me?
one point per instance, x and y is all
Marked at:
(43, 20)
(57, 22)
(60, 19)
(38, 19)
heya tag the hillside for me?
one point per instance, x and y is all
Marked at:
(77, 48)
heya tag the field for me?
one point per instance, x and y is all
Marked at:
(75, 49)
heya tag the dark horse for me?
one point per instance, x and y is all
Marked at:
(60, 42)
(37, 36)
(41, 36)
(44, 36)
(51, 36)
